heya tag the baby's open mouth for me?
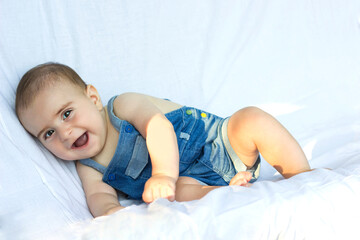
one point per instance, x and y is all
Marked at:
(81, 141)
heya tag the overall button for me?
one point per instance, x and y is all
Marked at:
(203, 115)
(111, 176)
(128, 129)
(188, 112)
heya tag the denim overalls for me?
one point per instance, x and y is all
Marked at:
(204, 150)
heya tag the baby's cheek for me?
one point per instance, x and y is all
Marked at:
(60, 152)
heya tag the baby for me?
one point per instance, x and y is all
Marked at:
(147, 147)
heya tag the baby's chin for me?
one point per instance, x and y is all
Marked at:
(67, 158)
(88, 154)
(74, 157)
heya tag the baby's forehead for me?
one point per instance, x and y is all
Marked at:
(47, 103)
(59, 80)
(62, 87)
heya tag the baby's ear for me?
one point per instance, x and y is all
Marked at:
(94, 95)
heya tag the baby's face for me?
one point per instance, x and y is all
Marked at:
(69, 121)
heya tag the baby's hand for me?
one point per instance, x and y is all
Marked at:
(159, 186)
(241, 179)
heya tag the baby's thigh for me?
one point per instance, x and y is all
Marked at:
(188, 189)
(187, 180)
(243, 128)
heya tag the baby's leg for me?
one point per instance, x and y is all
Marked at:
(188, 189)
(251, 130)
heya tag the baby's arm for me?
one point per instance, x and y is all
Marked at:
(142, 112)
(101, 198)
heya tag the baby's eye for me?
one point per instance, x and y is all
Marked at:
(66, 114)
(48, 134)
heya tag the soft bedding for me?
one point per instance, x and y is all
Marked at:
(299, 60)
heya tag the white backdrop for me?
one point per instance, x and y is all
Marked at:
(299, 60)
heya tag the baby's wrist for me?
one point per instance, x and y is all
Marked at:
(173, 177)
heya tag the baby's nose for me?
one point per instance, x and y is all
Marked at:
(65, 133)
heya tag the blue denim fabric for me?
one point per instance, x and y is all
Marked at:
(204, 150)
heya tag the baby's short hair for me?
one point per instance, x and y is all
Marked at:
(40, 77)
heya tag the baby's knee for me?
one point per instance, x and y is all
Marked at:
(251, 113)
(247, 117)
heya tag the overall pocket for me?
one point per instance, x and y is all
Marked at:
(139, 160)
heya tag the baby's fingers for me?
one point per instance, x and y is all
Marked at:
(164, 192)
(148, 195)
(241, 179)
(158, 192)
(239, 182)
(159, 187)
(168, 193)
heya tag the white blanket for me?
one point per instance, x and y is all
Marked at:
(299, 60)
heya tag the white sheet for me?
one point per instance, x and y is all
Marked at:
(298, 60)
(305, 207)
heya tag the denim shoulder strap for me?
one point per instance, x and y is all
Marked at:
(91, 163)
(115, 121)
